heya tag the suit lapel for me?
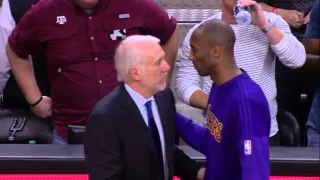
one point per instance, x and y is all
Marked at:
(136, 121)
(164, 118)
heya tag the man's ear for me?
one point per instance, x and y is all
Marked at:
(135, 73)
(215, 51)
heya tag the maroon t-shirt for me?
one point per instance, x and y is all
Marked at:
(80, 47)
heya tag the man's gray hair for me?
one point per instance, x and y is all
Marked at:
(130, 53)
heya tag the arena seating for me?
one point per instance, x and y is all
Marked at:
(19, 126)
(289, 129)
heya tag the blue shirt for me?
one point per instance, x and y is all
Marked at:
(140, 102)
(313, 32)
(313, 28)
(235, 140)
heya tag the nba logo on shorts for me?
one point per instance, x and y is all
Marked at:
(247, 147)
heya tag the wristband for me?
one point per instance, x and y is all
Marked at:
(267, 28)
(274, 10)
(36, 103)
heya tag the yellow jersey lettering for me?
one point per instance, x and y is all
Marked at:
(214, 125)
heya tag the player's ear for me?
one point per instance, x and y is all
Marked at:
(215, 51)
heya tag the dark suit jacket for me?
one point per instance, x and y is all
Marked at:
(118, 145)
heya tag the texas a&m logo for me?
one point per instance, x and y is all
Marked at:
(15, 128)
(61, 20)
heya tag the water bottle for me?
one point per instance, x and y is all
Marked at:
(242, 15)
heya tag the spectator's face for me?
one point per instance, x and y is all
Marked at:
(154, 69)
(199, 54)
(87, 3)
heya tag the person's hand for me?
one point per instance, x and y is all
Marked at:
(306, 19)
(292, 17)
(201, 173)
(257, 15)
(44, 108)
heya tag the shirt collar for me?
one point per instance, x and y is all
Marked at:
(137, 98)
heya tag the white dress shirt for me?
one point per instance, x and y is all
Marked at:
(7, 24)
(140, 102)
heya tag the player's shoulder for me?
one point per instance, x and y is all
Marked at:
(249, 92)
(252, 93)
(253, 97)
(252, 103)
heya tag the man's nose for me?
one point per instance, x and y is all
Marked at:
(166, 66)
